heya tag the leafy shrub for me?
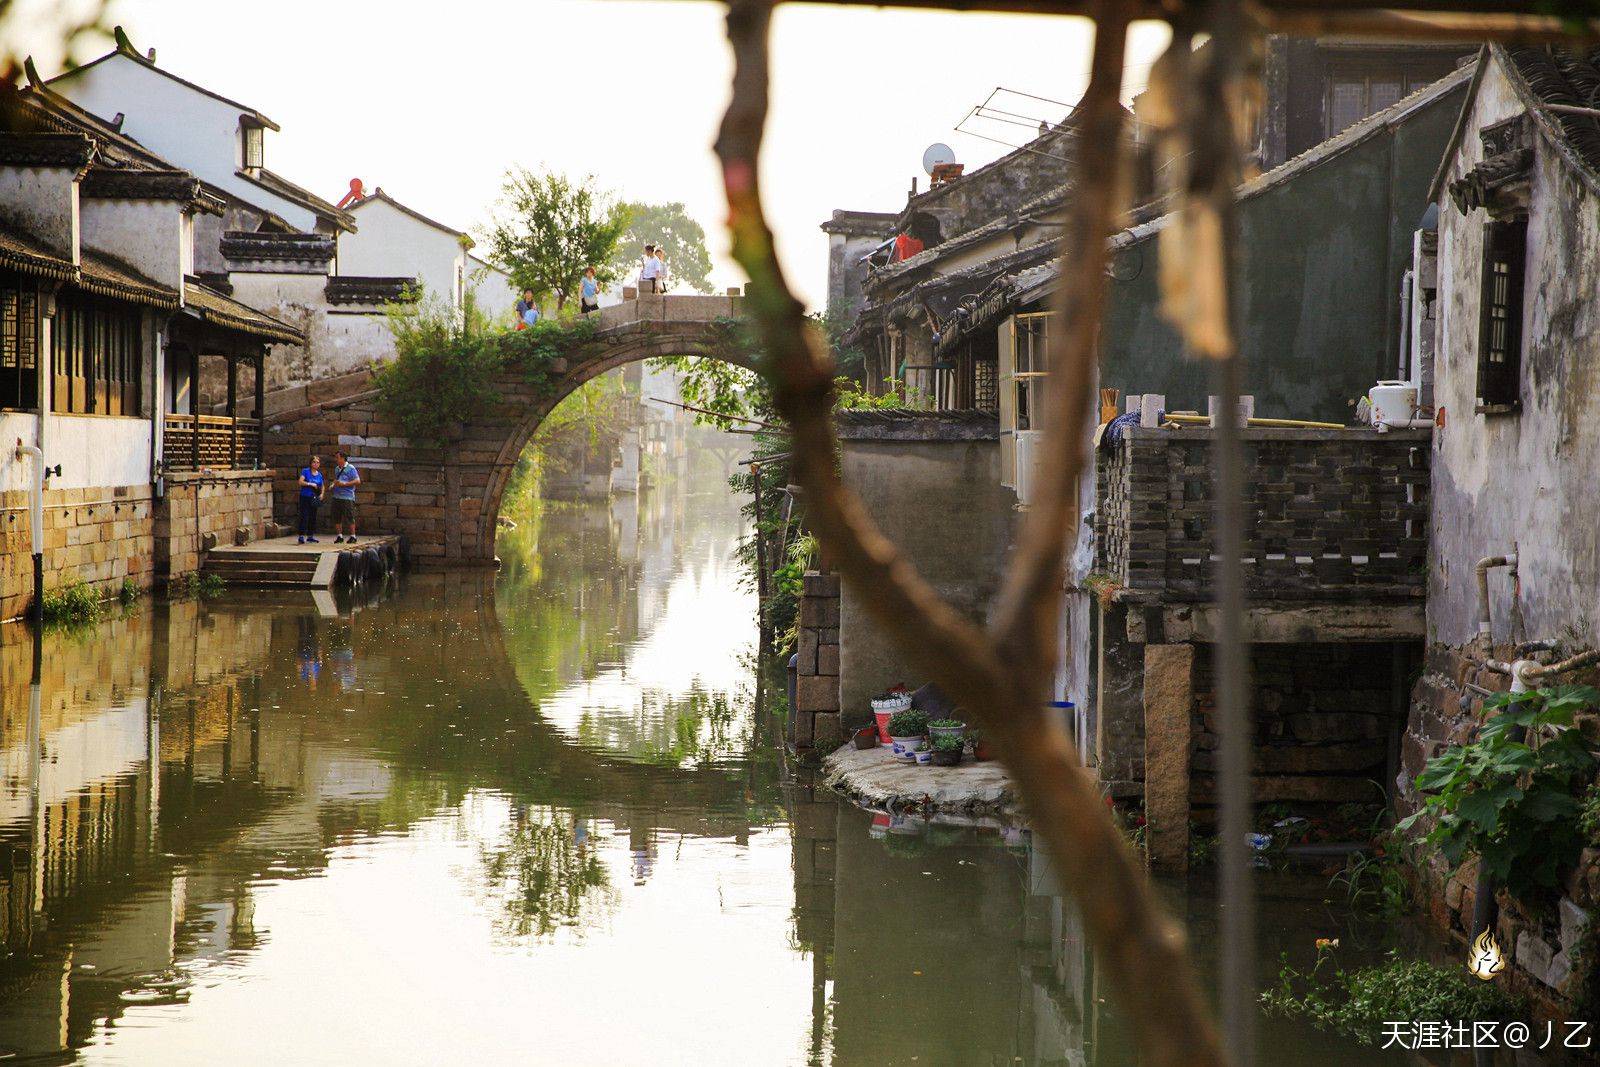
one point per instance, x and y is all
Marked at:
(446, 363)
(71, 603)
(1358, 1003)
(908, 723)
(1511, 802)
(949, 743)
(129, 592)
(947, 724)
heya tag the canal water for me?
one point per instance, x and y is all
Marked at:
(534, 817)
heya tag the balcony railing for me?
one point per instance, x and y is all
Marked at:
(211, 442)
(1329, 515)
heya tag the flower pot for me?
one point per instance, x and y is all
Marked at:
(891, 704)
(946, 757)
(981, 751)
(867, 737)
(905, 748)
(936, 732)
(923, 757)
(883, 718)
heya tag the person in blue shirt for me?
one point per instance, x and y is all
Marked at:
(311, 490)
(345, 480)
(527, 310)
(589, 296)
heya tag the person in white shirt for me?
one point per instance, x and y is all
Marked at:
(661, 270)
(650, 271)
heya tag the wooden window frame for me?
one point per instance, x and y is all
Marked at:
(19, 346)
(1502, 306)
(97, 358)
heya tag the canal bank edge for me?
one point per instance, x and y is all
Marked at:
(874, 779)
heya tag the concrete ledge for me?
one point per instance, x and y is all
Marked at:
(875, 779)
(1296, 625)
(905, 424)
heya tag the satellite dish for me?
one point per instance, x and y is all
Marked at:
(935, 154)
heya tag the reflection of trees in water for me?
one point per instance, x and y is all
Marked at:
(546, 873)
(702, 726)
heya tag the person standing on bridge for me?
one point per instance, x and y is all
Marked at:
(345, 480)
(661, 269)
(589, 292)
(311, 489)
(650, 271)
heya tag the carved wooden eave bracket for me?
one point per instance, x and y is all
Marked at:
(1500, 182)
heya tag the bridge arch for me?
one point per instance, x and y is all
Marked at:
(630, 342)
(447, 500)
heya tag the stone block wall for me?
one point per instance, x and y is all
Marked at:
(198, 508)
(1327, 718)
(816, 716)
(102, 535)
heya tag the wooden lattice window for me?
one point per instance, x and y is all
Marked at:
(19, 347)
(1500, 327)
(97, 358)
(1029, 368)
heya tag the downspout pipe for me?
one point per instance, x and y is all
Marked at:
(35, 527)
(1485, 565)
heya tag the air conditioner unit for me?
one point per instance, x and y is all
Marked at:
(1030, 452)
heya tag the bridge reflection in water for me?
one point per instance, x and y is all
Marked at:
(471, 818)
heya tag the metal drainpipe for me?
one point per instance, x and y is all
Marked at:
(36, 531)
(1484, 566)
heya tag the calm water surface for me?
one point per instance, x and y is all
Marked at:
(532, 817)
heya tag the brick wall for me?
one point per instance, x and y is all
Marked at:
(815, 716)
(100, 534)
(225, 501)
(1329, 514)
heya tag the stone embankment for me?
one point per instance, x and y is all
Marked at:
(873, 778)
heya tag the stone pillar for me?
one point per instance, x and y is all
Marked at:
(815, 715)
(1168, 707)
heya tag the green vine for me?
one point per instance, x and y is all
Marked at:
(448, 364)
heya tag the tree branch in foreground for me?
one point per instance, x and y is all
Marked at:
(1001, 675)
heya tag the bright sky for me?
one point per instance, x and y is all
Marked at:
(434, 101)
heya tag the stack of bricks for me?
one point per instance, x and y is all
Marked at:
(815, 718)
(212, 505)
(101, 535)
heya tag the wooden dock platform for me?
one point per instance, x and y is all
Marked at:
(282, 561)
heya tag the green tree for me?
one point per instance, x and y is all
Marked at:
(552, 227)
(671, 226)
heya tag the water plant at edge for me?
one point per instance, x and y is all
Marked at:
(1358, 1003)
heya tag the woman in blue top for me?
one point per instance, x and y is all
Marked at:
(310, 497)
(589, 298)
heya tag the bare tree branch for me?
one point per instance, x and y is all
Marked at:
(1001, 675)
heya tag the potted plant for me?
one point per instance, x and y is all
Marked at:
(886, 704)
(980, 747)
(905, 733)
(947, 749)
(946, 728)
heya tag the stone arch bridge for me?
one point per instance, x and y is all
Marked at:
(447, 500)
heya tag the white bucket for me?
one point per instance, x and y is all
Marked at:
(1393, 403)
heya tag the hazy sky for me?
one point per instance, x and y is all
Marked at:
(435, 100)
